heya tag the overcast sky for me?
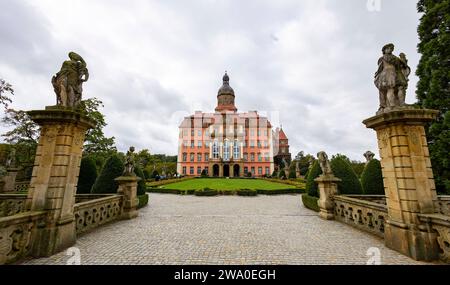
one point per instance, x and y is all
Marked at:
(308, 65)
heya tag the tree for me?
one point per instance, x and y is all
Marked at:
(5, 87)
(372, 178)
(433, 88)
(311, 185)
(349, 181)
(88, 175)
(105, 182)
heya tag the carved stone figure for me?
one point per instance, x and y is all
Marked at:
(67, 83)
(324, 163)
(391, 78)
(129, 163)
(369, 156)
(11, 159)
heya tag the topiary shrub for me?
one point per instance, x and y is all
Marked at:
(141, 188)
(206, 192)
(350, 183)
(87, 176)
(155, 174)
(143, 201)
(274, 174)
(147, 174)
(204, 174)
(246, 192)
(311, 185)
(310, 202)
(292, 174)
(372, 178)
(112, 169)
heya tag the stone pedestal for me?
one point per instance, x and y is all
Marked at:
(408, 179)
(55, 176)
(128, 188)
(10, 180)
(327, 189)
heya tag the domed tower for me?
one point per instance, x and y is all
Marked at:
(225, 96)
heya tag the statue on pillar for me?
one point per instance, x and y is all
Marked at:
(391, 78)
(129, 163)
(11, 159)
(369, 156)
(67, 83)
(324, 163)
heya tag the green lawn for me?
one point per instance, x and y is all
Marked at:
(227, 184)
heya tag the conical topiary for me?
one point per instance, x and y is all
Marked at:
(372, 179)
(349, 181)
(141, 188)
(311, 185)
(87, 176)
(112, 169)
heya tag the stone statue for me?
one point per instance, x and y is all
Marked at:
(391, 78)
(67, 83)
(129, 163)
(324, 163)
(369, 156)
(11, 159)
(286, 166)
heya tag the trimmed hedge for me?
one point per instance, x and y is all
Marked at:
(112, 169)
(311, 186)
(143, 201)
(167, 181)
(310, 202)
(281, 191)
(206, 192)
(87, 176)
(225, 192)
(372, 179)
(141, 188)
(246, 192)
(350, 183)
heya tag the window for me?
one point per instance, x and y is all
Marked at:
(259, 144)
(252, 132)
(199, 170)
(184, 157)
(260, 171)
(199, 133)
(185, 143)
(252, 157)
(252, 144)
(199, 144)
(266, 144)
(207, 133)
(192, 157)
(236, 150)
(259, 133)
(207, 143)
(192, 133)
(267, 171)
(191, 170)
(245, 143)
(265, 133)
(226, 150)
(184, 170)
(259, 157)
(253, 171)
(199, 157)
(266, 156)
(206, 157)
(245, 156)
(184, 133)
(206, 170)
(192, 144)
(215, 149)
(245, 170)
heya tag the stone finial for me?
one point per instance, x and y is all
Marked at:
(369, 156)
(129, 163)
(67, 83)
(391, 79)
(324, 163)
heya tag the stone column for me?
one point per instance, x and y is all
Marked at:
(327, 189)
(55, 176)
(10, 180)
(128, 188)
(220, 169)
(408, 179)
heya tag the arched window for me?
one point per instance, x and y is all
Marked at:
(215, 149)
(236, 150)
(226, 150)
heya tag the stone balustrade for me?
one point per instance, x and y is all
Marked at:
(361, 212)
(17, 233)
(94, 213)
(443, 205)
(12, 204)
(21, 186)
(440, 225)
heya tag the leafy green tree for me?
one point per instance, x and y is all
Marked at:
(342, 169)
(311, 185)
(433, 88)
(372, 178)
(105, 182)
(88, 175)
(5, 88)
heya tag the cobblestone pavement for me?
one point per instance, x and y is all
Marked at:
(269, 230)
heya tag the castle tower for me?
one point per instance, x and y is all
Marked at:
(225, 97)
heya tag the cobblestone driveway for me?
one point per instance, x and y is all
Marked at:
(226, 230)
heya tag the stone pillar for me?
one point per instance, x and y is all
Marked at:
(55, 176)
(128, 188)
(10, 180)
(327, 189)
(408, 179)
(220, 169)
